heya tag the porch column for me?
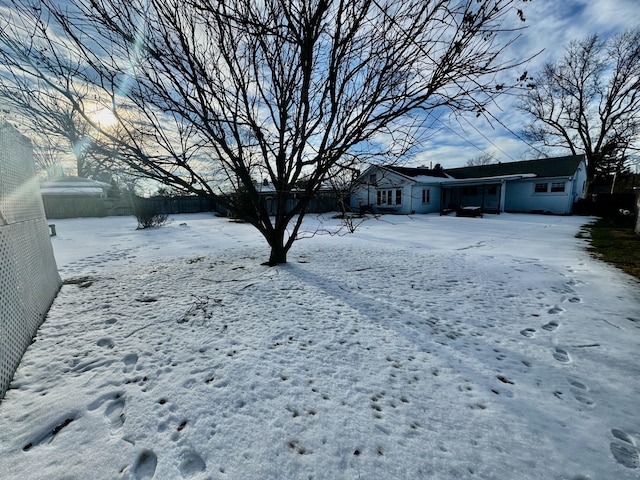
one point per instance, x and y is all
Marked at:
(503, 194)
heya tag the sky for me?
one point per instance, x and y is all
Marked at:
(551, 25)
(419, 347)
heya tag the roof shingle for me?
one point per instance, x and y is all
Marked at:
(544, 167)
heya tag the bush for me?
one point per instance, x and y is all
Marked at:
(148, 214)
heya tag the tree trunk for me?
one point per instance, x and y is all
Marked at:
(278, 248)
(278, 255)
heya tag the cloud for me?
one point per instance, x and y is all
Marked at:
(550, 26)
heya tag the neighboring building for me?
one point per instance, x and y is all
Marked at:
(73, 187)
(325, 199)
(71, 197)
(549, 185)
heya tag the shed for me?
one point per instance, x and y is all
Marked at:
(74, 186)
(71, 197)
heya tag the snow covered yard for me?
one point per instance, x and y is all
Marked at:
(419, 347)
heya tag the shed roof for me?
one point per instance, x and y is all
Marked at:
(544, 167)
(74, 186)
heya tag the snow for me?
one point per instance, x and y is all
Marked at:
(419, 347)
(74, 186)
(86, 191)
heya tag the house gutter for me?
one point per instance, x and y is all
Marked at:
(484, 180)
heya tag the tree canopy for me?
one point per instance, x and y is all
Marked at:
(214, 96)
(483, 158)
(589, 102)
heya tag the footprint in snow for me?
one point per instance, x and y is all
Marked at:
(129, 361)
(114, 410)
(528, 332)
(561, 355)
(114, 413)
(579, 391)
(551, 326)
(191, 465)
(578, 387)
(145, 466)
(48, 434)
(555, 310)
(624, 450)
(105, 343)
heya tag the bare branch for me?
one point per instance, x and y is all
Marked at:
(212, 91)
(589, 102)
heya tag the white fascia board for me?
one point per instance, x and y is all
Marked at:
(453, 182)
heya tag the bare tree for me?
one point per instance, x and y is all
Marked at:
(47, 157)
(589, 102)
(284, 90)
(483, 158)
(56, 129)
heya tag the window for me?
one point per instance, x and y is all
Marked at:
(492, 190)
(557, 187)
(541, 188)
(426, 195)
(385, 197)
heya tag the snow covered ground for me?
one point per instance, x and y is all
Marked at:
(419, 347)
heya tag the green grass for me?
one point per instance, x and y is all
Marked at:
(614, 241)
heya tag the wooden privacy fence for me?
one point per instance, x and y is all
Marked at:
(174, 205)
(76, 206)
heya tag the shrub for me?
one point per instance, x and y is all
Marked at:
(148, 214)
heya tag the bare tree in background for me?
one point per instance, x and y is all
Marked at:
(589, 102)
(284, 90)
(47, 157)
(483, 158)
(58, 130)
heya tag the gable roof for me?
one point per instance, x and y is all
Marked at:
(417, 171)
(544, 167)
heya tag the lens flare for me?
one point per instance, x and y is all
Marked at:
(104, 118)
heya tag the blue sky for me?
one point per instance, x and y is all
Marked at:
(551, 24)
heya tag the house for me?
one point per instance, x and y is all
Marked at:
(402, 190)
(548, 185)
